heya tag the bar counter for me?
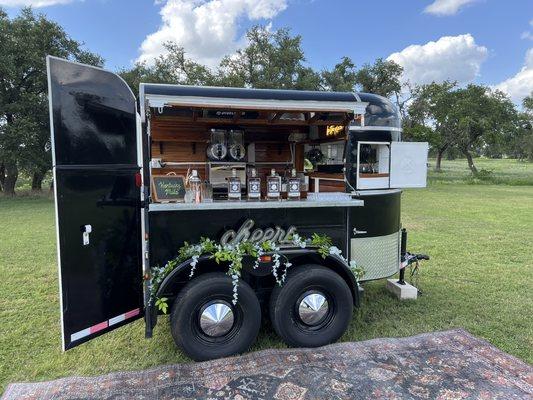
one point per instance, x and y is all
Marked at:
(246, 205)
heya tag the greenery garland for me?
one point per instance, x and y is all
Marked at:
(233, 254)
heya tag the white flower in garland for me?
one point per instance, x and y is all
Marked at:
(194, 262)
(298, 241)
(234, 254)
(333, 250)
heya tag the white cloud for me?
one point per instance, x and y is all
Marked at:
(446, 7)
(33, 3)
(520, 85)
(528, 34)
(206, 29)
(456, 58)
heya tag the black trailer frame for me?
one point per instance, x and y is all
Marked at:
(110, 234)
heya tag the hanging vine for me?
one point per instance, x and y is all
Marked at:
(233, 255)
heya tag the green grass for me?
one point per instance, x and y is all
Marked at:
(504, 171)
(480, 277)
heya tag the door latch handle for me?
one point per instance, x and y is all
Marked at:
(86, 230)
(356, 232)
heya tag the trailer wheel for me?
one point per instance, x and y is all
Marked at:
(313, 308)
(206, 325)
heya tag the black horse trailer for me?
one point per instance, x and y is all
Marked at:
(137, 180)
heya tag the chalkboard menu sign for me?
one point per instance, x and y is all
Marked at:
(168, 188)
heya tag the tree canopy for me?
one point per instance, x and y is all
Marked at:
(24, 123)
(473, 120)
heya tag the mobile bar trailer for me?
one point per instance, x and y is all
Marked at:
(116, 222)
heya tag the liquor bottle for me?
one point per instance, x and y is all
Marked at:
(273, 186)
(195, 186)
(293, 189)
(234, 186)
(254, 186)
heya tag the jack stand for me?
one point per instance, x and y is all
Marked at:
(403, 291)
(400, 288)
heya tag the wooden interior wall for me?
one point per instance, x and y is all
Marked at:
(187, 142)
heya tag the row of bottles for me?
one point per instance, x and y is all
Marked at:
(254, 186)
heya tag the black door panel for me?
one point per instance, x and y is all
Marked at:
(95, 165)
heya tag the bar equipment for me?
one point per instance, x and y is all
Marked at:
(236, 145)
(217, 149)
(195, 186)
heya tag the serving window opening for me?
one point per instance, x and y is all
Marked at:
(373, 165)
(250, 149)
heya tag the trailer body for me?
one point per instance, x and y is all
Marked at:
(110, 232)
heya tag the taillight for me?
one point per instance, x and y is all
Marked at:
(265, 258)
(138, 179)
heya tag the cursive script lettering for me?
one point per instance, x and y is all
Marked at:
(245, 232)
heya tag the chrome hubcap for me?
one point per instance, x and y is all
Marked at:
(216, 319)
(313, 308)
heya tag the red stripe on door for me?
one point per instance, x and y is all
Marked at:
(98, 327)
(132, 313)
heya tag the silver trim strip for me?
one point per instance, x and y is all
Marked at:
(242, 205)
(52, 142)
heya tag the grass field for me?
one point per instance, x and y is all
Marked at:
(480, 277)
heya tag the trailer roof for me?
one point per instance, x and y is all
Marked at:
(209, 97)
(245, 93)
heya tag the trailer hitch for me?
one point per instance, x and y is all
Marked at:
(408, 259)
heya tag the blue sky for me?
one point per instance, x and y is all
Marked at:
(484, 41)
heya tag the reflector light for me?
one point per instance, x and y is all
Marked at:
(138, 179)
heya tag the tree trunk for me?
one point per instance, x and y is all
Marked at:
(12, 174)
(440, 153)
(470, 161)
(37, 181)
(2, 176)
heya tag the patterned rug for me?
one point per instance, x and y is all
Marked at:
(440, 365)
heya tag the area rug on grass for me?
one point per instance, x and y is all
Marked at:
(440, 365)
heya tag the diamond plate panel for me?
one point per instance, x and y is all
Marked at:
(379, 256)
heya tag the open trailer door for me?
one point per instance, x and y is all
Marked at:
(408, 164)
(97, 197)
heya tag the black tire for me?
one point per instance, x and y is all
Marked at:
(284, 310)
(194, 297)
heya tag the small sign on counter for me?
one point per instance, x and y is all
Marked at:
(166, 188)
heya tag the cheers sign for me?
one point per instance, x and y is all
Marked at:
(245, 232)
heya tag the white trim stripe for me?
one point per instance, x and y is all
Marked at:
(103, 325)
(56, 207)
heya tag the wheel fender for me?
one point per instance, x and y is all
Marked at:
(333, 262)
(183, 270)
